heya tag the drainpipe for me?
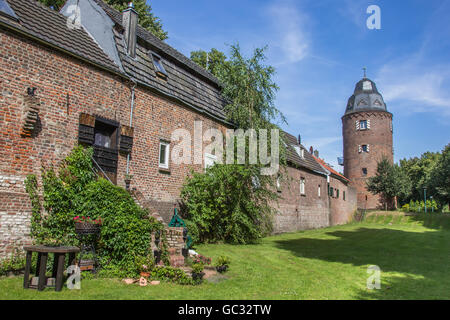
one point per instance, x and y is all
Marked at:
(131, 122)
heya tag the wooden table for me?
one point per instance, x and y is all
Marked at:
(41, 265)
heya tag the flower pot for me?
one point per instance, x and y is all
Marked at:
(221, 269)
(87, 228)
(198, 276)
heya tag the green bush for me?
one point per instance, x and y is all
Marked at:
(198, 267)
(171, 274)
(74, 190)
(15, 264)
(223, 261)
(223, 204)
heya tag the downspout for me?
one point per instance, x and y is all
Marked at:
(131, 121)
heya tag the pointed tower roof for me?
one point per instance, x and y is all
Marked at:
(365, 98)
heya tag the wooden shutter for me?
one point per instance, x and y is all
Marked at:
(368, 124)
(357, 125)
(126, 139)
(86, 129)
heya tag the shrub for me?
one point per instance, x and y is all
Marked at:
(15, 263)
(223, 204)
(74, 190)
(223, 261)
(172, 275)
(198, 267)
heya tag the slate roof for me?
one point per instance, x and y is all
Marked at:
(185, 81)
(41, 22)
(293, 158)
(332, 171)
(366, 97)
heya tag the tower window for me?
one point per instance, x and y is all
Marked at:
(365, 148)
(363, 125)
(364, 171)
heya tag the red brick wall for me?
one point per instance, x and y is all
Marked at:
(298, 212)
(67, 87)
(342, 210)
(379, 137)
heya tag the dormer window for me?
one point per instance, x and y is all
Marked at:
(6, 10)
(367, 86)
(159, 67)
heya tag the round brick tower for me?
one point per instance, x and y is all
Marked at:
(367, 132)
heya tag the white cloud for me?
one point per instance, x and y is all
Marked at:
(421, 88)
(289, 25)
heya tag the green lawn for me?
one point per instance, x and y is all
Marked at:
(413, 254)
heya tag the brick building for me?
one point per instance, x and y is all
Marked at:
(100, 79)
(367, 132)
(342, 196)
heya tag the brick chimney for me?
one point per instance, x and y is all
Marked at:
(130, 22)
(316, 153)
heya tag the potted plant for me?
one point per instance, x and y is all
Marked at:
(87, 225)
(128, 178)
(197, 271)
(222, 264)
(144, 265)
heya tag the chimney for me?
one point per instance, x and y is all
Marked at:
(311, 150)
(316, 153)
(130, 22)
(299, 139)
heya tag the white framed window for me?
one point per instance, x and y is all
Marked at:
(363, 125)
(302, 186)
(164, 152)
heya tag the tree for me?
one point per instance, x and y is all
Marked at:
(146, 17)
(419, 170)
(210, 61)
(250, 90)
(390, 181)
(232, 202)
(439, 181)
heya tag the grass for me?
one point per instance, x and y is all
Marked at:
(413, 253)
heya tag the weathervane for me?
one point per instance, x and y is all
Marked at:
(365, 70)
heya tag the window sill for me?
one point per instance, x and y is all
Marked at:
(164, 170)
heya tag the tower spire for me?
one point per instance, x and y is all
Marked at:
(365, 72)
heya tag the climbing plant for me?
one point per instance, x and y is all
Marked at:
(72, 190)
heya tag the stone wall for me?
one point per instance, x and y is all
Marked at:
(299, 212)
(65, 88)
(342, 207)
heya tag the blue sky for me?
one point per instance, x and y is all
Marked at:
(319, 48)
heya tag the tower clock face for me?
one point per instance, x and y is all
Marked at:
(367, 86)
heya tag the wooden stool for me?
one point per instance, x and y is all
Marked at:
(41, 265)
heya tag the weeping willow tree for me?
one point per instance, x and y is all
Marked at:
(233, 202)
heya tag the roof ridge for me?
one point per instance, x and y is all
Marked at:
(188, 62)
